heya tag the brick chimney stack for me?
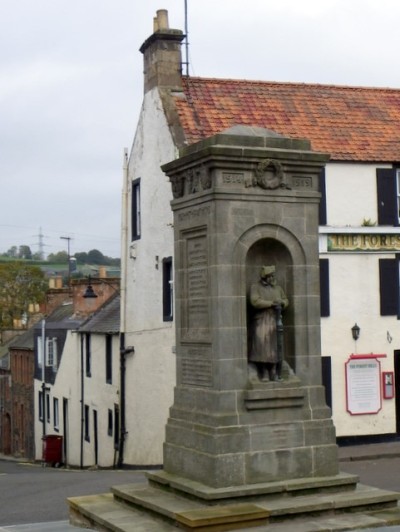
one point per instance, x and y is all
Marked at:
(162, 56)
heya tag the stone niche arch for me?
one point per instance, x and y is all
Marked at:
(274, 244)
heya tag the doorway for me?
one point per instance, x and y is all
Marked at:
(96, 438)
(65, 430)
(7, 434)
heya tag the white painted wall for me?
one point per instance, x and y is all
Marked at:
(351, 193)
(98, 395)
(151, 369)
(354, 296)
(66, 385)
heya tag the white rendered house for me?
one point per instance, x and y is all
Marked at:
(359, 233)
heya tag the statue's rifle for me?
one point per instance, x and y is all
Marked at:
(279, 338)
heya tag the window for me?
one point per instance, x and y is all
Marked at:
(108, 341)
(88, 355)
(388, 193)
(51, 353)
(40, 399)
(324, 287)
(87, 424)
(322, 203)
(389, 286)
(136, 214)
(116, 426)
(48, 413)
(55, 414)
(168, 289)
(110, 422)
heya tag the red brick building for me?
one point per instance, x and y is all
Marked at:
(16, 398)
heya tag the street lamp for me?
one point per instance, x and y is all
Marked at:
(355, 332)
(89, 292)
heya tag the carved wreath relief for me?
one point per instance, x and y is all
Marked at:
(268, 175)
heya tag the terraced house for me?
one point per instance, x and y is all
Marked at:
(359, 233)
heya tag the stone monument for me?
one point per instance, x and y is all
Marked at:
(245, 447)
(243, 199)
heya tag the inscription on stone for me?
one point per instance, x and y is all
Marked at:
(232, 178)
(197, 368)
(194, 214)
(197, 288)
(302, 182)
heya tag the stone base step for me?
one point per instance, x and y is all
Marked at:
(103, 513)
(135, 508)
(171, 504)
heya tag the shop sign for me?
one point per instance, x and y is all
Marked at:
(363, 242)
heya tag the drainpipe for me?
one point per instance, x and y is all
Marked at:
(82, 403)
(44, 377)
(122, 353)
(124, 268)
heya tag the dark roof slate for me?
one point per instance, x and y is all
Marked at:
(23, 341)
(106, 320)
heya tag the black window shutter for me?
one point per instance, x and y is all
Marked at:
(324, 287)
(322, 204)
(327, 379)
(387, 196)
(389, 286)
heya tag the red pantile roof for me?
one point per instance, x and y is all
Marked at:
(349, 123)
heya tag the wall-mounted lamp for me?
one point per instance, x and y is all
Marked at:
(89, 292)
(355, 332)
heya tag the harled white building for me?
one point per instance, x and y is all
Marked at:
(359, 233)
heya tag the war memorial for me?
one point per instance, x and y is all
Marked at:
(249, 442)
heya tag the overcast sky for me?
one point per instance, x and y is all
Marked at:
(71, 88)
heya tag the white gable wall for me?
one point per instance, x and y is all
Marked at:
(150, 374)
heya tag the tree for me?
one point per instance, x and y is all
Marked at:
(13, 252)
(81, 257)
(60, 258)
(96, 257)
(24, 252)
(20, 285)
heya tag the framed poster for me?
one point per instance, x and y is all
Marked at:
(363, 384)
(388, 384)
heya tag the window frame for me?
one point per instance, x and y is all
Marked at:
(108, 358)
(87, 423)
(51, 353)
(88, 354)
(168, 289)
(325, 310)
(110, 422)
(56, 414)
(136, 213)
(40, 409)
(48, 411)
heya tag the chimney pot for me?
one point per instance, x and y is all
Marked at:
(155, 24)
(162, 19)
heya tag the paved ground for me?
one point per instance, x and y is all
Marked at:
(360, 459)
